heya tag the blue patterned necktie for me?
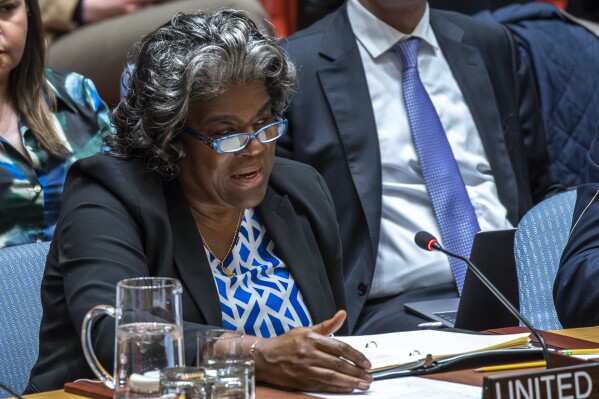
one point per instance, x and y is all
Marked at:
(451, 204)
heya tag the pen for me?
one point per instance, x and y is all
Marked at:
(434, 324)
(568, 352)
(511, 366)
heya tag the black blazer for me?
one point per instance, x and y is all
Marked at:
(332, 126)
(575, 292)
(121, 221)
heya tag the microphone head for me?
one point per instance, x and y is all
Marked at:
(425, 240)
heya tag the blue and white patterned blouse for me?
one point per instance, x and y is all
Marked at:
(263, 298)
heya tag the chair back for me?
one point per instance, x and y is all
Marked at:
(21, 270)
(540, 239)
(567, 96)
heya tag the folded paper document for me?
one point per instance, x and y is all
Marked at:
(411, 349)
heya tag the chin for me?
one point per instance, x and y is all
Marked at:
(251, 198)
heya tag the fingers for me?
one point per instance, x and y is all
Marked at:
(342, 364)
(340, 349)
(349, 353)
(327, 380)
(317, 377)
(338, 363)
(331, 325)
(308, 359)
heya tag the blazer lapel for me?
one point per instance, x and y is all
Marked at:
(190, 260)
(472, 76)
(285, 230)
(344, 84)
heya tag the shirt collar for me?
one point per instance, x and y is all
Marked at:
(377, 37)
(62, 97)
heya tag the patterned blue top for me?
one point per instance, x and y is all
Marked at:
(31, 193)
(263, 298)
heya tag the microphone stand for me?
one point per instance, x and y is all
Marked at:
(501, 298)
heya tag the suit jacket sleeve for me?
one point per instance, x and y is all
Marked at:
(543, 183)
(520, 117)
(107, 235)
(575, 290)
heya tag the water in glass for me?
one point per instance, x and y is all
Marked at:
(230, 377)
(143, 350)
(182, 383)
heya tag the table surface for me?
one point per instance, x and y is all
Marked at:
(261, 393)
(587, 333)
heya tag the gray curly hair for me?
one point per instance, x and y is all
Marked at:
(192, 58)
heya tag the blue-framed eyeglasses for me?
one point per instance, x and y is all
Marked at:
(238, 141)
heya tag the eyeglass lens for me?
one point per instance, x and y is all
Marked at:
(266, 134)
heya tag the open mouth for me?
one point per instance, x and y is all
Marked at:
(249, 175)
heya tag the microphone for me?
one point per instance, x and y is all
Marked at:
(10, 391)
(428, 242)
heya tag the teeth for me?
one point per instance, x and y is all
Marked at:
(247, 175)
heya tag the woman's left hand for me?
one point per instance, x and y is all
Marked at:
(309, 359)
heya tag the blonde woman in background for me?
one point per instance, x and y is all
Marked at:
(48, 119)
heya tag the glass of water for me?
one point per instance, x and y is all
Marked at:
(182, 383)
(229, 373)
(149, 335)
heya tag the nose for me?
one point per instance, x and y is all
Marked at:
(253, 148)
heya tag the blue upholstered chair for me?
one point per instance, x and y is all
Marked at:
(540, 239)
(21, 270)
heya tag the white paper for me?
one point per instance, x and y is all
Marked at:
(411, 387)
(399, 348)
(586, 357)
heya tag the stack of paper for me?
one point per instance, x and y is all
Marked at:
(409, 348)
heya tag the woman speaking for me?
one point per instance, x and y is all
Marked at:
(191, 189)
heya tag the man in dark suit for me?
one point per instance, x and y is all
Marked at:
(575, 291)
(350, 122)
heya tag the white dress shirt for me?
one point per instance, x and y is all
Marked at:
(401, 266)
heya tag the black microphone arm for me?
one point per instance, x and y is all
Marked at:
(428, 242)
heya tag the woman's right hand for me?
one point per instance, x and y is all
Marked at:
(308, 359)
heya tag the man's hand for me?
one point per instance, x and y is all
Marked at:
(308, 359)
(97, 10)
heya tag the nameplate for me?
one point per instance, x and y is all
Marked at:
(572, 382)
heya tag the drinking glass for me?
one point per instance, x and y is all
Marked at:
(182, 383)
(149, 335)
(229, 373)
